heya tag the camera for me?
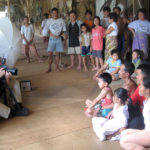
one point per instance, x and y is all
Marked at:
(13, 71)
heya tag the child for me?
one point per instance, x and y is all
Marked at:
(139, 139)
(105, 20)
(97, 42)
(88, 21)
(44, 28)
(74, 44)
(85, 41)
(56, 26)
(27, 33)
(136, 58)
(117, 118)
(111, 35)
(140, 30)
(103, 99)
(113, 64)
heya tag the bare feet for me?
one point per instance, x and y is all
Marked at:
(40, 61)
(49, 70)
(86, 69)
(58, 69)
(28, 61)
(95, 69)
(79, 68)
(70, 67)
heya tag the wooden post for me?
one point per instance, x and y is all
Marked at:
(8, 4)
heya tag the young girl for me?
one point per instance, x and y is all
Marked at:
(85, 39)
(111, 35)
(141, 30)
(103, 99)
(116, 119)
(27, 33)
(97, 42)
(139, 139)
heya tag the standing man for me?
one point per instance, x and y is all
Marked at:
(55, 26)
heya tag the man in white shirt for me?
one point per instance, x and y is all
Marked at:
(55, 26)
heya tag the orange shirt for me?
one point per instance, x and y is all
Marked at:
(89, 23)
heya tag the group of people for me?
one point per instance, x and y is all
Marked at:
(125, 113)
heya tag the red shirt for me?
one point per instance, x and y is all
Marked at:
(137, 98)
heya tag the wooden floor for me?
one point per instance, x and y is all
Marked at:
(56, 120)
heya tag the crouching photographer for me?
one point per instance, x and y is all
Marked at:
(10, 93)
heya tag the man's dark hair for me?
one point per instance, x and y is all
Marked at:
(88, 12)
(137, 51)
(117, 8)
(142, 10)
(113, 16)
(106, 9)
(122, 94)
(46, 15)
(106, 77)
(115, 51)
(129, 67)
(55, 9)
(146, 82)
(73, 12)
(145, 68)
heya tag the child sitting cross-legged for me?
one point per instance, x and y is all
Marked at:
(103, 99)
(111, 66)
(117, 118)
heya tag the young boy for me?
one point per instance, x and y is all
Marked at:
(113, 63)
(105, 20)
(136, 54)
(55, 26)
(88, 21)
(103, 99)
(85, 42)
(27, 33)
(73, 35)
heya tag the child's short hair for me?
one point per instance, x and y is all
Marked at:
(55, 9)
(46, 15)
(129, 67)
(142, 10)
(106, 9)
(106, 77)
(146, 82)
(137, 51)
(88, 12)
(122, 94)
(117, 7)
(145, 68)
(73, 12)
(26, 17)
(113, 16)
(114, 51)
(83, 25)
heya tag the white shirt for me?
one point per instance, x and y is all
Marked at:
(121, 114)
(56, 26)
(140, 26)
(115, 31)
(44, 27)
(146, 115)
(27, 31)
(86, 40)
(105, 23)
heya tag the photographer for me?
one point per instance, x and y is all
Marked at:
(10, 88)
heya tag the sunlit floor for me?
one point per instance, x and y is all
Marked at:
(56, 120)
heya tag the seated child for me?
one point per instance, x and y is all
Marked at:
(139, 139)
(113, 64)
(136, 55)
(104, 98)
(117, 118)
(85, 41)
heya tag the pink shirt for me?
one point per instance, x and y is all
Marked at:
(97, 38)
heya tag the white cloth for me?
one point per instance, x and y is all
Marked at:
(86, 39)
(115, 31)
(44, 27)
(56, 26)
(103, 126)
(146, 115)
(105, 23)
(4, 111)
(140, 26)
(27, 31)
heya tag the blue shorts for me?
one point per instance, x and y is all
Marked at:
(55, 44)
(97, 54)
(85, 51)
